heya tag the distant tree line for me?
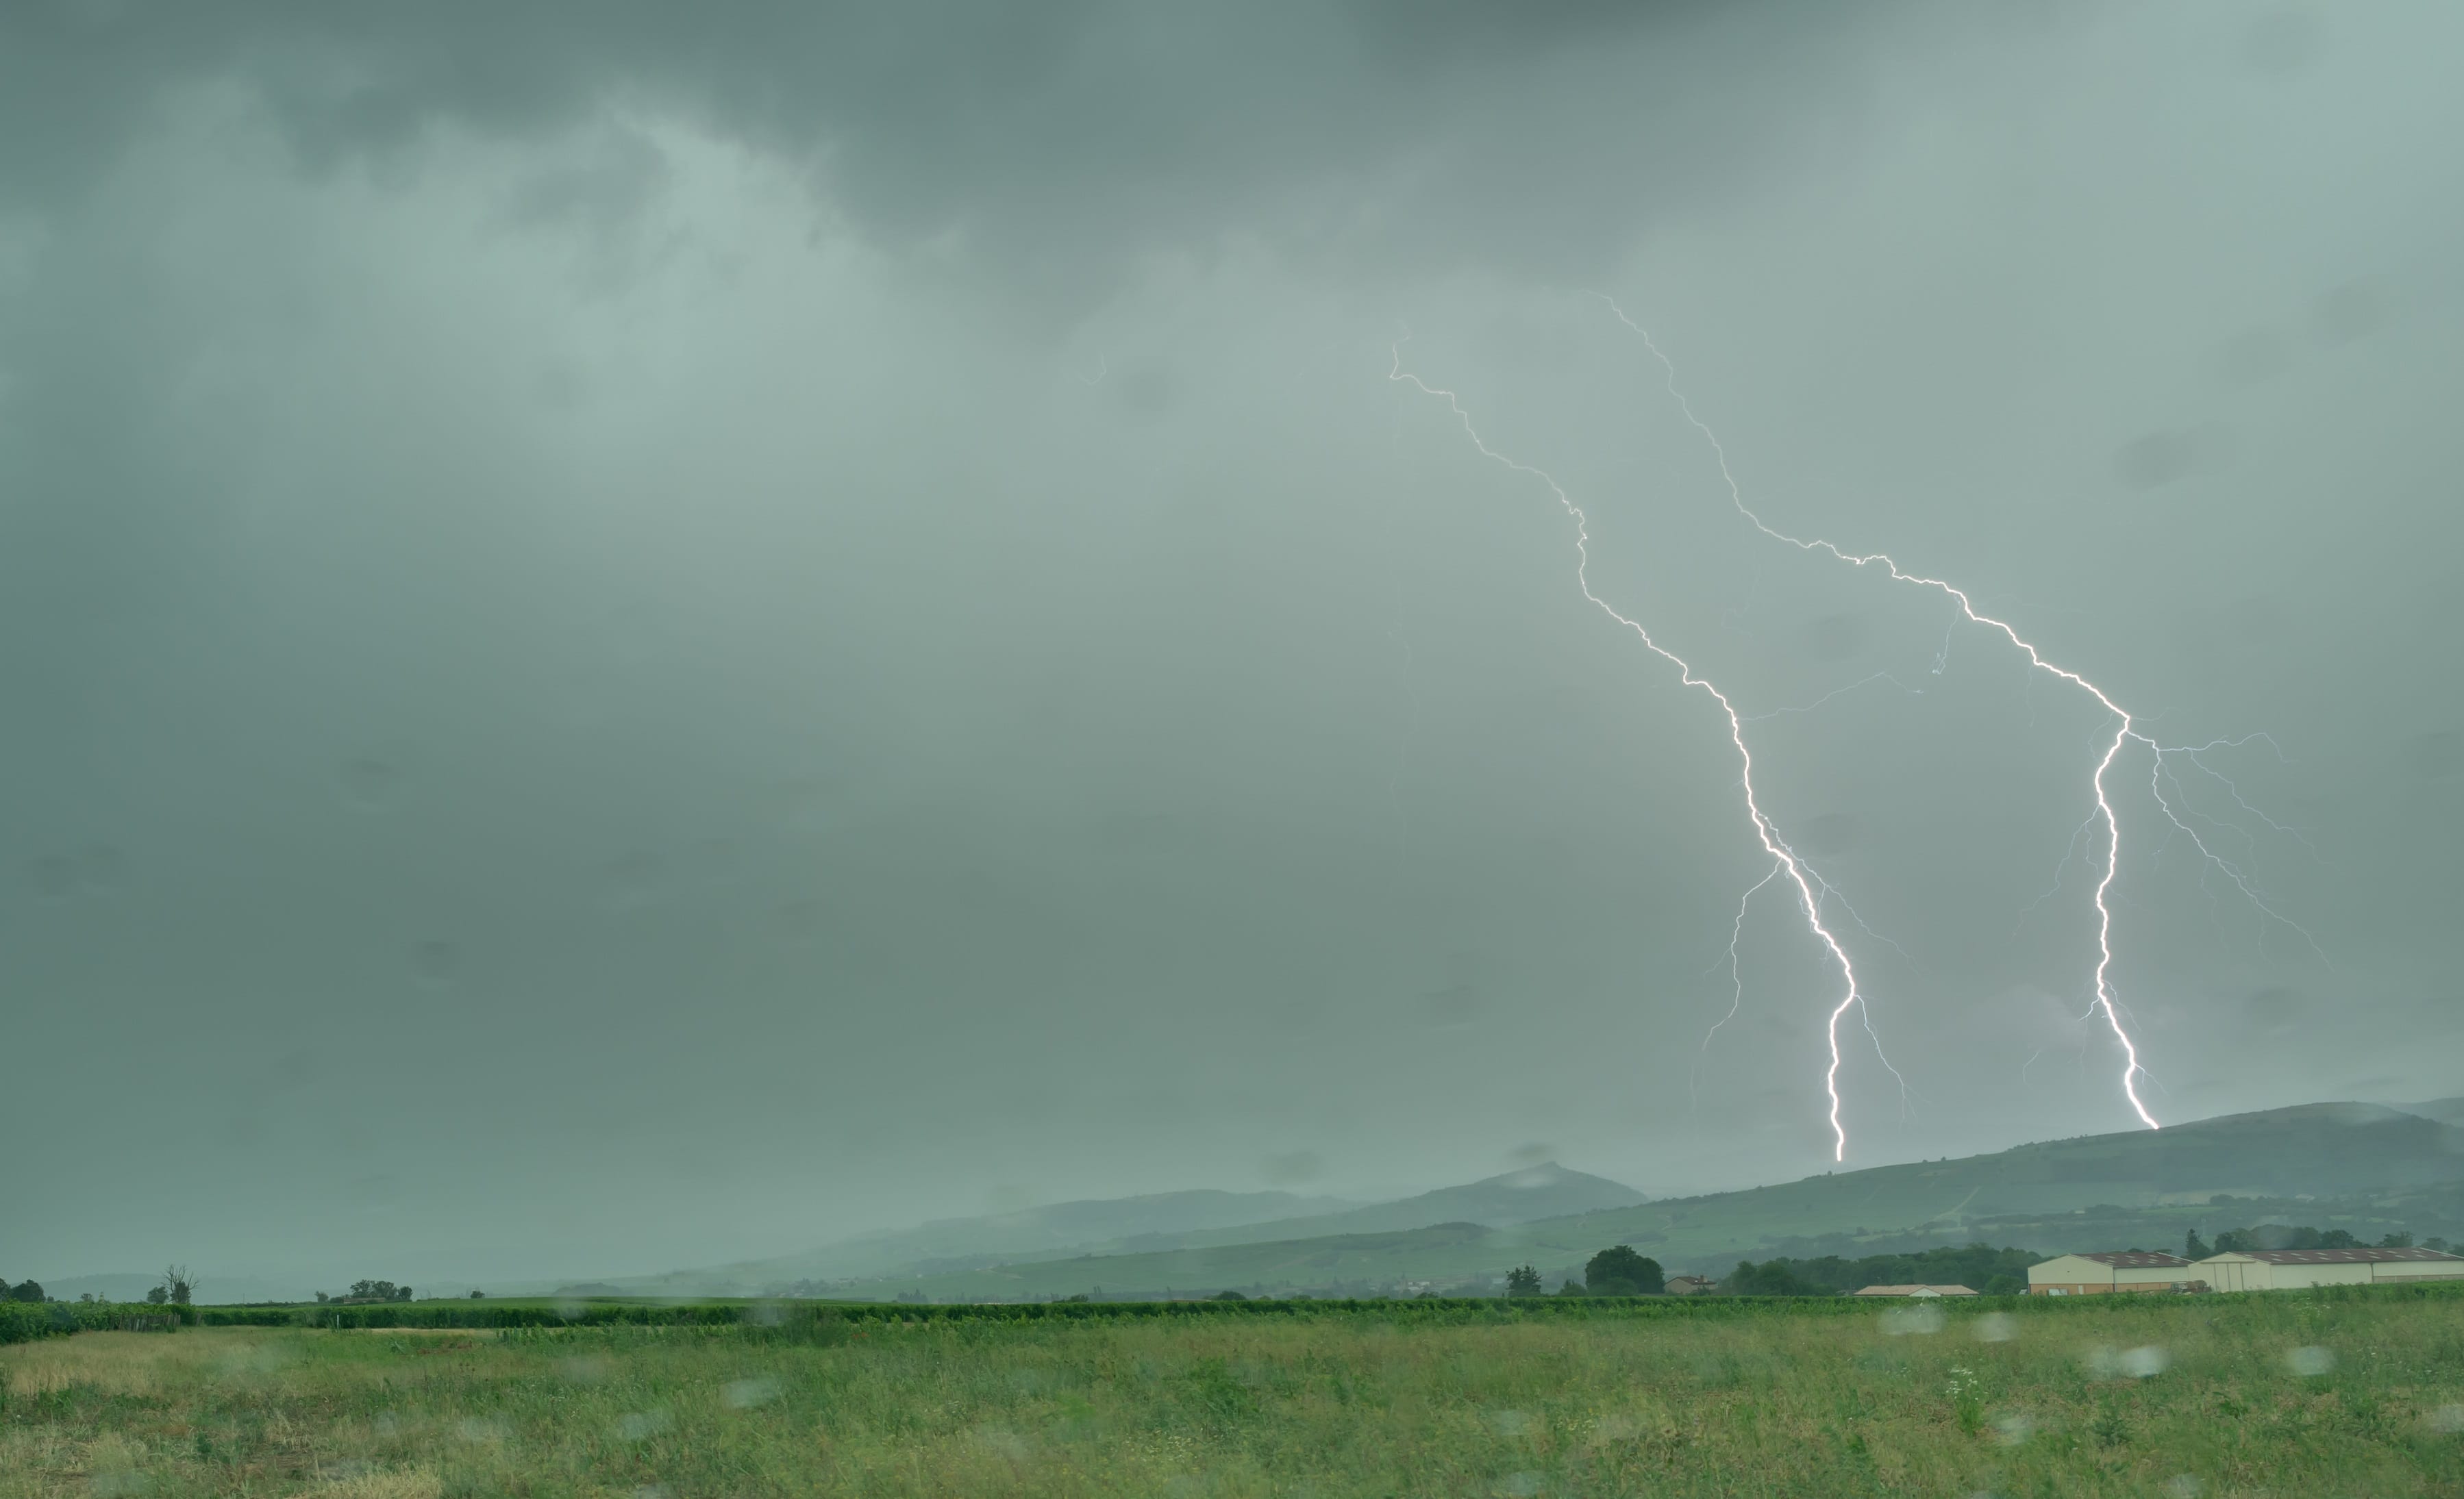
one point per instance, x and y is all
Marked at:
(2286, 1236)
(1979, 1267)
(1617, 1270)
(371, 1291)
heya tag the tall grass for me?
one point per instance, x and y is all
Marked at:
(2292, 1393)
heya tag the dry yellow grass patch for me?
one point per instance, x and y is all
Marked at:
(117, 1363)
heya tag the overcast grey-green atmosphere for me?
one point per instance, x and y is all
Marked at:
(639, 636)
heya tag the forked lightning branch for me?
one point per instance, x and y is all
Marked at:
(1810, 888)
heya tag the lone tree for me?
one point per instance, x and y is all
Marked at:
(1522, 1281)
(177, 1285)
(1617, 1270)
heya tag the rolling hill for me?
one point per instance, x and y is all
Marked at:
(1149, 1225)
(2370, 1168)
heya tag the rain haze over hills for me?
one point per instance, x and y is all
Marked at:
(642, 637)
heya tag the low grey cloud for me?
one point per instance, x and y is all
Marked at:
(817, 616)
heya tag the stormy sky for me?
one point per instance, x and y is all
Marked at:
(634, 635)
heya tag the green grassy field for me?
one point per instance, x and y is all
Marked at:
(2328, 1394)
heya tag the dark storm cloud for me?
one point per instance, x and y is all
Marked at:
(1057, 140)
(642, 632)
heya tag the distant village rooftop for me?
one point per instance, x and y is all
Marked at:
(1926, 1292)
(2134, 1259)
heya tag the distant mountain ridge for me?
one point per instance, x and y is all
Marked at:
(1547, 1190)
(2446, 1111)
(1053, 1229)
(1154, 1224)
(2364, 1167)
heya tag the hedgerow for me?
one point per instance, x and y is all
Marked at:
(24, 1321)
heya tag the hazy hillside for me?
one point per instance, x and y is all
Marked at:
(1153, 1224)
(2447, 1110)
(1056, 1228)
(2359, 1165)
(1547, 1190)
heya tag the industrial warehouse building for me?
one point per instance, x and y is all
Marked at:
(2248, 1270)
(2295, 1270)
(2110, 1270)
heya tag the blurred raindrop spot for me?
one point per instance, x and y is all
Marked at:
(2276, 1005)
(2144, 1363)
(2447, 1419)
(103, 871)
(53, 876)
(1520, 1486)
(370, 783)
(635, 878)
(2253, 356)
(2156, 459)
(2184, 1486)
(2354, 309)
(1833, 834)
(1147, 391)
(2438, 754)
(1452, 1006)
(2309, 1363)
(587, 1369)
(807, 804)
(2010, 1428)
(1921, 1320)
(745, 1394)
(1995, 1327)
(798, 920)
(1836, 636)
(640, 1426)
(2282, 42)
(436, 961)
(1292, 1167)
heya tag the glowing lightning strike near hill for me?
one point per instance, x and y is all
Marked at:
(1771, 842)
(2126, 731)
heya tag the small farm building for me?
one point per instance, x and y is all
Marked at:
(1921, 1293)
(1690, 1286)
(2102, 1270)
(2296, 1269)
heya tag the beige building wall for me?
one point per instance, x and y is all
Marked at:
(2416, 1269)
(2069, 1275)
(2156, 1277)
(2077, 1275)
(2240, 1273)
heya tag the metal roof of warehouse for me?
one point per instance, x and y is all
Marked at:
(2354, 1256)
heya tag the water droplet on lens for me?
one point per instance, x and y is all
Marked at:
(436, 961)
(369, 783)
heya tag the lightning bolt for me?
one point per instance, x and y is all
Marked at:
(1736, 982)
(2126, 731)
(1782, 855)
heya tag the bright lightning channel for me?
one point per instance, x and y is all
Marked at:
(2126, 731)
(1783, 857)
